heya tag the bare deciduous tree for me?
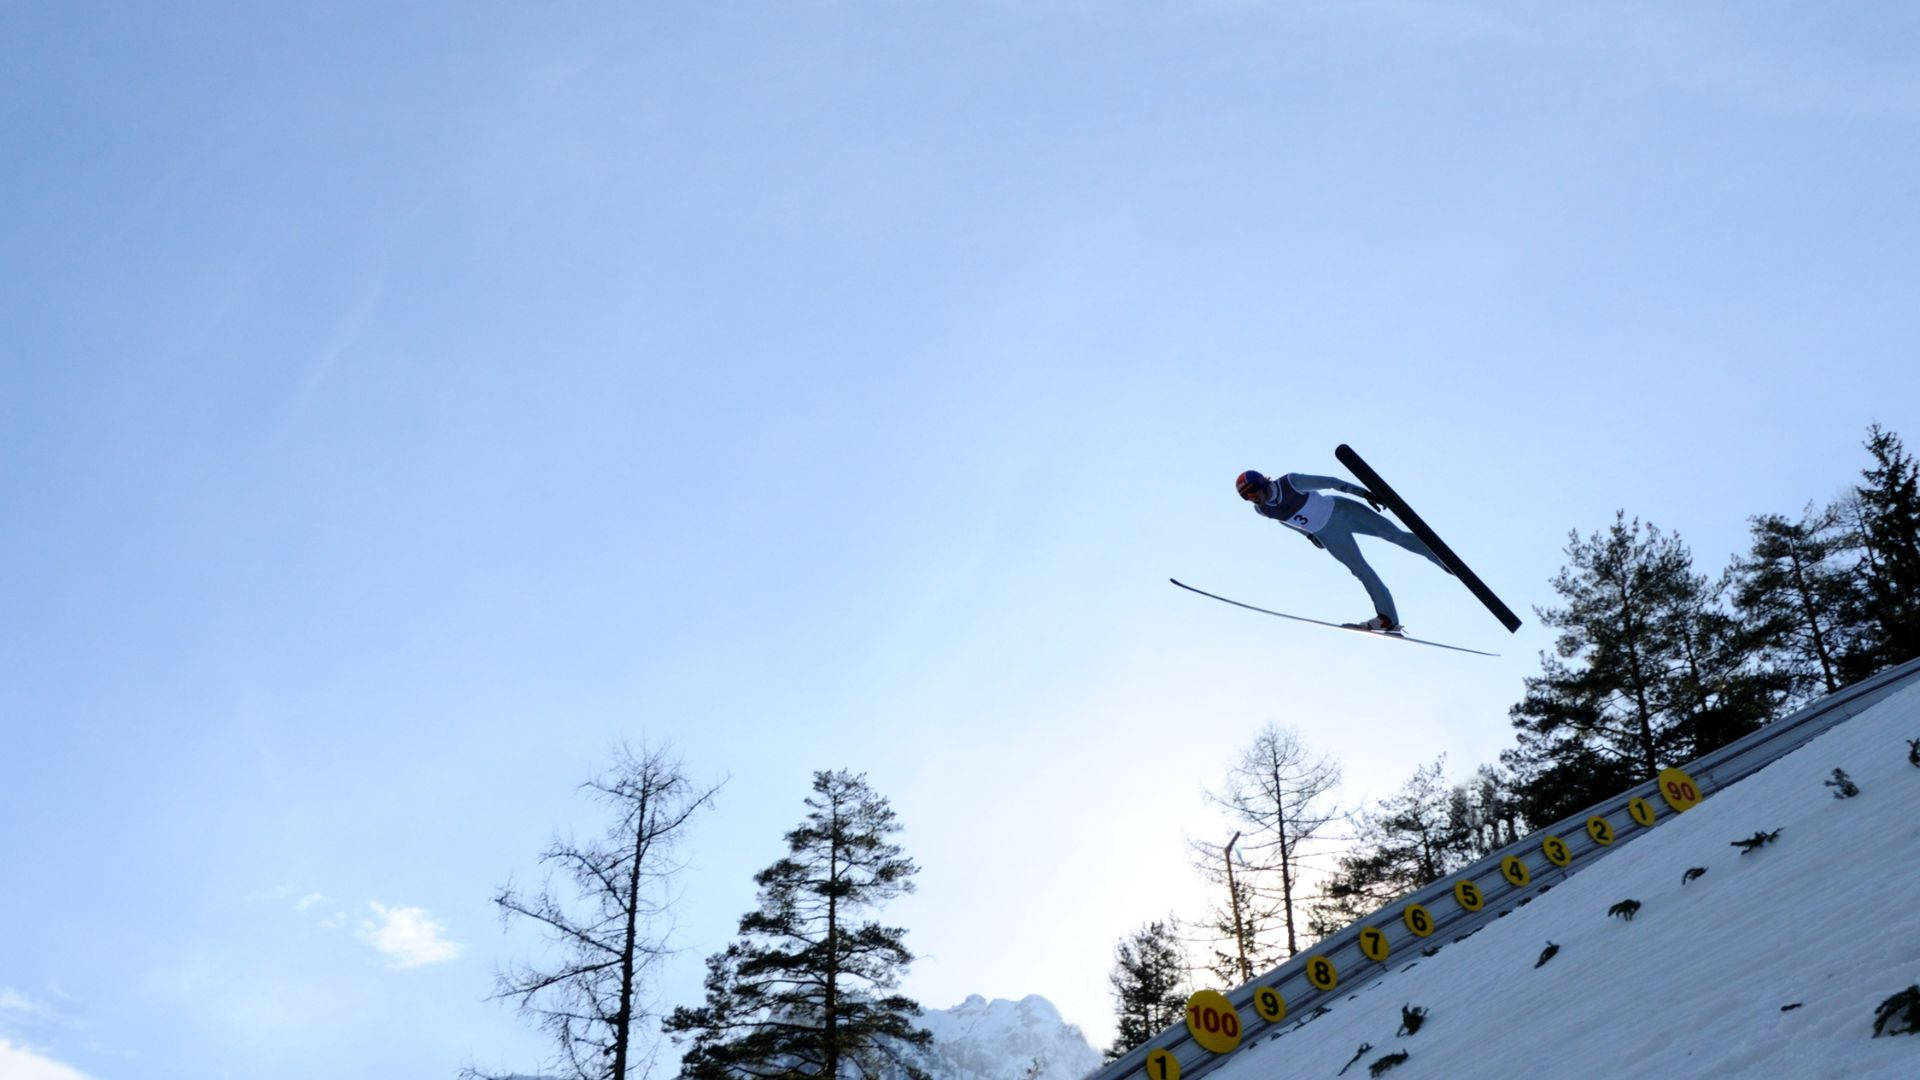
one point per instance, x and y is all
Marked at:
(1278, 792)
(605, 921)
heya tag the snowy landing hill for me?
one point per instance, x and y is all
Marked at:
(1005, 1040)
(1768, 965)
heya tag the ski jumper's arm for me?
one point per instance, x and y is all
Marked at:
(1309, 482)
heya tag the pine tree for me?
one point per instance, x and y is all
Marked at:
(1408, 840)
(1484, 813)
(1721, 690)
(1658, 672)
(1889, 520)
(1149, 979)
(1562, 775)
(1797, 593)
(803, 992)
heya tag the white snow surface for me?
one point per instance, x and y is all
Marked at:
(1006, 1040)
(1826, 917)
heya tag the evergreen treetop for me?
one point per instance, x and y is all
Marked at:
(1889, 521)
(804, 990)
(1149, 980)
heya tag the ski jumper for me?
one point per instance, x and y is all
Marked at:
(1333, 523)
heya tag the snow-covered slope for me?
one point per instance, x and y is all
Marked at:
(1006, 1040)
(1768, 965)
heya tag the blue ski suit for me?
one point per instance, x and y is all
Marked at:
(1333, 523)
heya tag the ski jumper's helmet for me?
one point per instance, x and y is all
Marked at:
(1252, 486)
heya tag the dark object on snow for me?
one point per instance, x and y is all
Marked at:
(1386, 1063)
(1411, 1017)
(1524, 901)
(1625, 909)
(1790, 1008)
(1899, 1014)
(1692, 872)
(1546, 954)
(1753, 843)
(1913, 751)
(1842, 785)
(1431, 950)
(1357, 1055)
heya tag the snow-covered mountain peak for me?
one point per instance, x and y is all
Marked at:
(998, 1039)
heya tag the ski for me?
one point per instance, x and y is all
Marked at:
(1384, 493)
(1349, 627)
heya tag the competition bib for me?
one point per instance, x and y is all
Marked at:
(1313, 514)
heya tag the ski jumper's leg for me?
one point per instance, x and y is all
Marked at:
(1338, 538)
(1362, 520)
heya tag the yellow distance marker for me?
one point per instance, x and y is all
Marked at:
(1555, 849)
(1515, 871)
(1418, 919)
(1640, 810)
(1212, 1021)
(1679, 790)
(1467, 895)
(1162, 1066)
(1373, 942)
(1600, 830)
(1322, 974)
(1269, 1004)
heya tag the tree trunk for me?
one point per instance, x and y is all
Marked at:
(1808, 612)
(1286, 860)
(623, 1020)
(831, 1068)
(1643, 717)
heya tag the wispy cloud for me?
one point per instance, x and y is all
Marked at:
(22, 1014)
(309, 901)
(21, 1063)
(408, 935)
(15, 1004)
(347, 332)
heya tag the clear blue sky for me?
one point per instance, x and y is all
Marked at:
(404, 402)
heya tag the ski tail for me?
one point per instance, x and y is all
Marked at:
(1384, 493)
